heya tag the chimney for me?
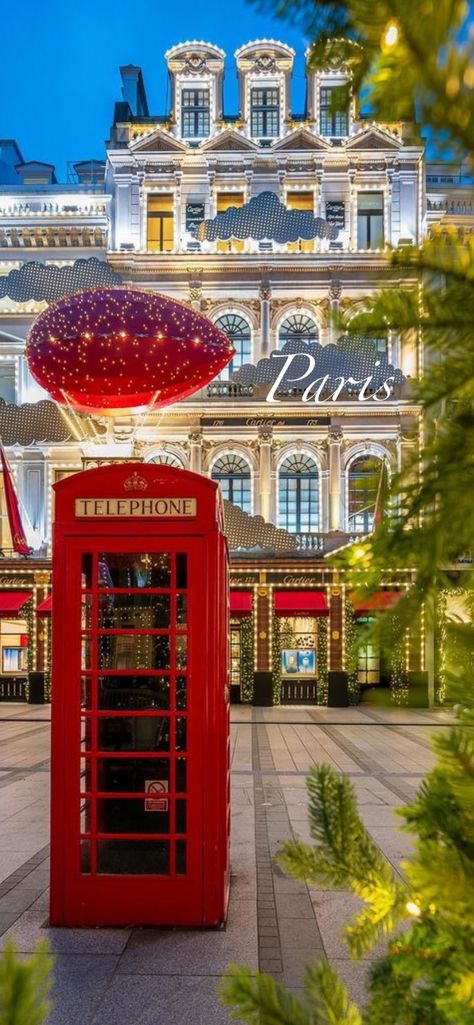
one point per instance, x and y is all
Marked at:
(133, 90)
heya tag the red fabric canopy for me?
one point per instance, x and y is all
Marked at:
(378, 602)
(12, 601)
(45, 607)
(301, 603)
(241, 603)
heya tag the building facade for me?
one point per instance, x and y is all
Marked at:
(271, 223)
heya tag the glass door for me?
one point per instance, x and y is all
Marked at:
(139, 766)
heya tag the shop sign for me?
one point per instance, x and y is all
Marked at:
(336, 212)
(159, 508)
(194, 216)
(265, 421)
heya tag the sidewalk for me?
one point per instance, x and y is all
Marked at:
(147, 976)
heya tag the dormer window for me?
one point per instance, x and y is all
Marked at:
(195, 118)
(333, 113)
(265, 113)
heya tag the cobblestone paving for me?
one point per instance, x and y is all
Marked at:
(147, 976)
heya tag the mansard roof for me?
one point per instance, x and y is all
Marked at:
(301, 138)
(157, 140)
(374, 137)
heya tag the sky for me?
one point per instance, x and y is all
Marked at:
(59, 76)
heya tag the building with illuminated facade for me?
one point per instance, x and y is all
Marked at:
(269, 222)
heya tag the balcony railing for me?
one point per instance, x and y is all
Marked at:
(227, 389)
(309, 542)
(52, 238)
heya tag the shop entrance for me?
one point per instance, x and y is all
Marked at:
(140, 701)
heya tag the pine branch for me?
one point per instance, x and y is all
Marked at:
(259, 1000)
(25, 986)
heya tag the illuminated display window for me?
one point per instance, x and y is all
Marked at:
(298, 646)
(224, 202)
(301, 201)
(160, 223)
(14, 660)
(235, 654)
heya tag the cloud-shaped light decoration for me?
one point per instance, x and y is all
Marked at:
(244, 531)
(353, 356)
(265, 217)
(38, 282)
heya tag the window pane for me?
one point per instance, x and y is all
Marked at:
(134, 693)
(130, 775)
(133, 857)
(129, 815)
(370, 201)
(133, 651)
(141, 733)
(134, 569)
(135, 611)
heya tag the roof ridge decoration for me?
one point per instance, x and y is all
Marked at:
(244, 531)
(265, 217)
(373, 128)
(190, 43)
(142, 139)
(290, 52)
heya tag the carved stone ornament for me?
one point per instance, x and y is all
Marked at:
(335, 435)
(195, 63)
(265, 62)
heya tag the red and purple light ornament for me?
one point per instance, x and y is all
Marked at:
(113, 349)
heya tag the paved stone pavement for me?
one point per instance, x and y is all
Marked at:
(149, 977)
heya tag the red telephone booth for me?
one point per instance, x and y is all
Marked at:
(140, 700)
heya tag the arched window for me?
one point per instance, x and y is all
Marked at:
(238, 330)
(298, 327)
(366, 486)
(233, 474)
(166, 459)
(299, 494)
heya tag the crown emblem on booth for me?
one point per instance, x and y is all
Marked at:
(135, 483)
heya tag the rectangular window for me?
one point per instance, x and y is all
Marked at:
(301, 201)
(195, 117)
(14, 660)
(298, 651)
(265, 113)
(224, 201)
(7, 382)
(333, 113)
(160, 223)
(370, 232)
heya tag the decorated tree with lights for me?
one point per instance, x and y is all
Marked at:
(405, 56)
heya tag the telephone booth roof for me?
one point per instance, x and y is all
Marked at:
(132, 484)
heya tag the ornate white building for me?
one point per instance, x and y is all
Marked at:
(270, 222)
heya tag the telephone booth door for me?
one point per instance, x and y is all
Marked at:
(133, 841)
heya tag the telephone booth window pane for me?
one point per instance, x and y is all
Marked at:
(133, 857)
(133, 651)
(86, 575)
(85, 857)
(87, 729)
(86, 776)
(130, 775)
(86, 611)
(133, 693)
(180, 816)
(181, 570)
(181, 696)
(181, 609)
(134, 611)
(181, 734)
(129, 815)
(181, 652)
(180, 857)
(140, 733)
(180, 775)
(86, 692)
(85, 817)
(86, 653)
(134, 569)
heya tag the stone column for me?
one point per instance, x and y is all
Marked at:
(334, 295)
(335, 442)
(195, 453)
(265, 438)
(265, 295)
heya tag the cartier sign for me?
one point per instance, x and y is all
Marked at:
(161, 508)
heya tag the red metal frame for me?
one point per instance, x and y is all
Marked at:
(95, 745)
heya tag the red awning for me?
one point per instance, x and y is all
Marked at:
(301, 603)
(11, 602)
(241, 603)
(378, 602)
(45, 607)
